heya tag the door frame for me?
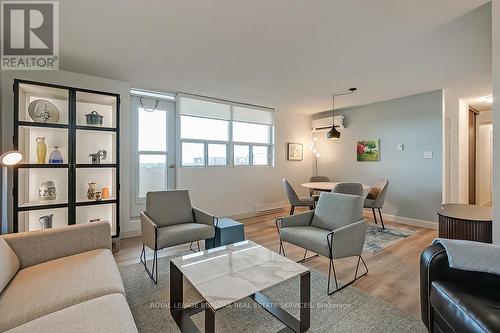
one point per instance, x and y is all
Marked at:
(473, 113)
(139, 204)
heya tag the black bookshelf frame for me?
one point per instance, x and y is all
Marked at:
(71, 166)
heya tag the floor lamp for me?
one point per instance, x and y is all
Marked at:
(7, 159)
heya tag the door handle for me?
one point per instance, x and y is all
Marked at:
(171, 166)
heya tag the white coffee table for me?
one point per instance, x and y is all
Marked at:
(227, 274)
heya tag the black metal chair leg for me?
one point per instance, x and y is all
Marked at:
(356, 277)
(381, 219)
(292, 209)
(374, 216)
(198, 242)
(153, 273)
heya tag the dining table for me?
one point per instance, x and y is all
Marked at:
(328, 186)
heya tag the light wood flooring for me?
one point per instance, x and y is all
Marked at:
(393, 272)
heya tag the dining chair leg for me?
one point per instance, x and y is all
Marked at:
(292, 209)
(381, 219)
(374, 216)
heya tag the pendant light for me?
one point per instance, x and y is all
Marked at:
(334, 133)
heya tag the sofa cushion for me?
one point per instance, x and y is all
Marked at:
(183, 233)
(53, 285)
(311, 238)
(466, 307)
(169, 207)
(109, 314)
(9, 264)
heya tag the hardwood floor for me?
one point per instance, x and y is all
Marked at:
(393, 272)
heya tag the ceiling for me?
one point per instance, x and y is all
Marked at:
(287, 54)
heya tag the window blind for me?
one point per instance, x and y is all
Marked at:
(250, 115)
(202, 108)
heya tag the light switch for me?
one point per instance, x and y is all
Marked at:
(401, 146)
(427, 154)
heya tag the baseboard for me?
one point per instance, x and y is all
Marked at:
(270, 207)
(130, 233)
(404, 220)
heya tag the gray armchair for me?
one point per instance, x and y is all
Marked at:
(376, 198)
(294, 199)
(336, 229)
(170, 220)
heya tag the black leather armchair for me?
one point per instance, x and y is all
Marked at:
(455, 300)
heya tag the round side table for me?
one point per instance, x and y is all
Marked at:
(468, 222)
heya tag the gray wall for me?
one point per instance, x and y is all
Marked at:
(415, 182)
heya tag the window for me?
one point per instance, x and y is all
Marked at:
(220, 133)
(217, 154)
(193, 154)
(241, 155)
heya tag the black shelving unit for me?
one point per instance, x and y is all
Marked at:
(71, 102)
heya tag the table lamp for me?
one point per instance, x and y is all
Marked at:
(9, 158)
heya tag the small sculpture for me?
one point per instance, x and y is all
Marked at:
(97, 157)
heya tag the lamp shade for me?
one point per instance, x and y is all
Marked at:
(333, 133)
(11, 157)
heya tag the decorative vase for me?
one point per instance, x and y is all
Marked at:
(46, 221)
(91, 191)
(41, 150)
(105, 192)
(47, 191)
(55, 156)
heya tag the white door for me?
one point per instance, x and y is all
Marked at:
(153, 148)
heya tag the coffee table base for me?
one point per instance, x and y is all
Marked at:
(182, 315)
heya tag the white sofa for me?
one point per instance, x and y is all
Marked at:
(62, 280)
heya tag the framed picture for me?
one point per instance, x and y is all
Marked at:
(368, 151)
(295, 151)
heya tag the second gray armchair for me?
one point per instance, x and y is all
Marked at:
(335, 229)
(170, 220)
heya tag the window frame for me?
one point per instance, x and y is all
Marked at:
(230, 143)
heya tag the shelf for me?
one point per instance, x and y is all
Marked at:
(96, 128)
(102, 165)
(35, 205)
(43, 125)
(86, 202)
(42, 166)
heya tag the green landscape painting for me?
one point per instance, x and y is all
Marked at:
(367, 151)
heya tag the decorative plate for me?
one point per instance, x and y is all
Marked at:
(42, 111)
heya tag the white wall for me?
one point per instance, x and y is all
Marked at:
(496, 118)
(235, 191)
(80, 81)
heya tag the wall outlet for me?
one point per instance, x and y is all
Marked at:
(401, 146)
(427, 154)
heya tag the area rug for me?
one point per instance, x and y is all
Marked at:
(348, 310)
(378, 239)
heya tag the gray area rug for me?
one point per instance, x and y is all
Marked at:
(378, 239)
(346, 311)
